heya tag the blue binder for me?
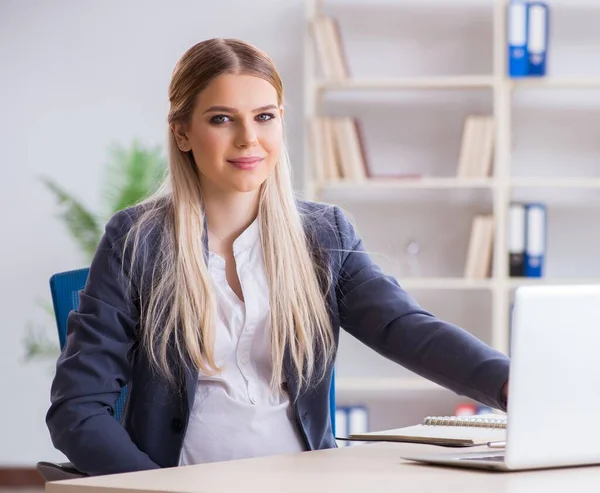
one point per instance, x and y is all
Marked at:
(535, 240)
(517, 25)
(537, 38)
(342, 425)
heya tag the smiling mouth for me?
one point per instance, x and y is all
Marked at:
(247, 163)
(246, 160)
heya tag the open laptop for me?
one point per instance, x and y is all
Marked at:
(554, 390)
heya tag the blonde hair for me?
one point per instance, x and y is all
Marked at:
(176, 298)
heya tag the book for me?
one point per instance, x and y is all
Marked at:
(452, 431)
(325, 161)
(476, 148)
(329, 48)
(480, 247)
(349, 149)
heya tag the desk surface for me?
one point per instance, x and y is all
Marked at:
(376, 467)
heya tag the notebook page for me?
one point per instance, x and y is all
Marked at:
(431, 433)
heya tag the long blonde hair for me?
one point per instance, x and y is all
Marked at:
(176, 299)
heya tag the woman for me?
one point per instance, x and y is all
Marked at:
(218, 301)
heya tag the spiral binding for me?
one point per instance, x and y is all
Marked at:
(481, 421)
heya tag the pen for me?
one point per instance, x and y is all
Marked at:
(496, 444)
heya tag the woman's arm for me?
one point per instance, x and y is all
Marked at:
(378, 312)
(95, 365)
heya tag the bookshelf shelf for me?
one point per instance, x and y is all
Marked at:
(440, 82)
(457, 283)
(521, 281)
(556, 182)
(426, 4)
(555, 83)
(384, 386)
(574, 193)
(409, 183)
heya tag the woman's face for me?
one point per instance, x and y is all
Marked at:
(235, 133)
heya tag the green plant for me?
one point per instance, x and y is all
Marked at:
(131, 174)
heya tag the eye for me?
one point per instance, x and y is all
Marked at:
(265, 117)
(219, 119)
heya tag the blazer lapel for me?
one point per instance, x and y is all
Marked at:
(290, 376)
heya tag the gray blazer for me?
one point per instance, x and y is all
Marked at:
(101, 354)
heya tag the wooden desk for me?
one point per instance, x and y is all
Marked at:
(372, 468)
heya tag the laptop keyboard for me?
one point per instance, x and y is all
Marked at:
(498, 458)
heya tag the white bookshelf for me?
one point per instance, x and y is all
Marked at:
(456, 82)
(406, 184)
(497, 191)
(383, 386)
(441, 283)
(556, 83)
(587, 183)
(514, 283)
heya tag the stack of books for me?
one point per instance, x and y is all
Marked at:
(338, 149)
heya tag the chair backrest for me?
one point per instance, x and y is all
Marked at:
(65, 287)
(332, 402)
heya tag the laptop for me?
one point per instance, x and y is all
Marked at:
(554, 389)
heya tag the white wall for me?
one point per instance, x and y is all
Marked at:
(76, 76)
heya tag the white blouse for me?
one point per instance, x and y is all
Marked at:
(235, 413)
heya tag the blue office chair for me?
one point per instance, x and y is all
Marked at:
(65, 287)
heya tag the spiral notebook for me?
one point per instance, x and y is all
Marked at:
(454, 431)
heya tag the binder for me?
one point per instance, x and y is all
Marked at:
(516, 240)
(485, 410)
(535, 243)
(537, 38)
(342, 428)
(517, 25)
(350, 420)
(358, 421)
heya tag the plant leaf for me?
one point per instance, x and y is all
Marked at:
(80, 222)
(132, 175)
(38, 345)
(46, 306)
